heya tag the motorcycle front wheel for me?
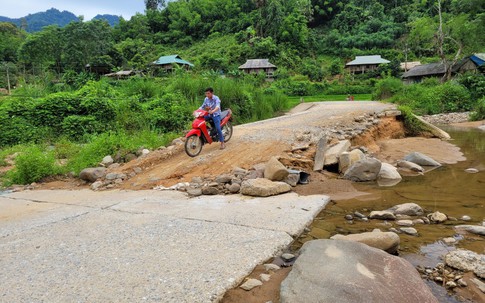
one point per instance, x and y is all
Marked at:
(193, 146)
(227, 131)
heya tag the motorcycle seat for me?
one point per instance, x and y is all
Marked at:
(224, 114)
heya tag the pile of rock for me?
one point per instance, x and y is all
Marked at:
(449, 118)
(441, 274)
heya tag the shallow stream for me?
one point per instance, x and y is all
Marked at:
(448, 189)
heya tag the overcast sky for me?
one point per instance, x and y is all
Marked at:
(87, 8)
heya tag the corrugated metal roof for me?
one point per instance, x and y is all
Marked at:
(364, 60)
(478, 59)
(257, 63)
(425, 70)
(171, 59)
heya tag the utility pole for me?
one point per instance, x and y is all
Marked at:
(8, 79)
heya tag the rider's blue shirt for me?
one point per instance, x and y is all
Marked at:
(212, 103)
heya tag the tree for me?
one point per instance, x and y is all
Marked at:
(44, 48)
(10, 39)
(154, 4)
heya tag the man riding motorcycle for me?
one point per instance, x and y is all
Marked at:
(212, 104)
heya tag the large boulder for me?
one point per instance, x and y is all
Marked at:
(388, 175)
(347, 159)
(437, 217)
(333, 153)
(387, 241)
(467, 261)
(421, 159)
(92, 174)
(263, 188)
(364, 170)
(351, 272)
(407, 209)
(275, 170)
(474, 229)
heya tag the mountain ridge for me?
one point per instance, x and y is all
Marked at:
(36, 21)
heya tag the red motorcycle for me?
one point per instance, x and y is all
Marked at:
(202, 134)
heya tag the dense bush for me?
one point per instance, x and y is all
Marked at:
(475, 83)
(479, 111)
(32, 165)
(386, 88)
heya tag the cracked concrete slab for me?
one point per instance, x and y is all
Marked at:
(127, 246)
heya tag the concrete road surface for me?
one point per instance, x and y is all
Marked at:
(144, 246)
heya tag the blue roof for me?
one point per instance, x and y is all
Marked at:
(171, 59)
(478, 59)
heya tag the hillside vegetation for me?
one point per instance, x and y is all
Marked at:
(60, 105)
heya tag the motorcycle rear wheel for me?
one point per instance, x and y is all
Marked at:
(227, 131)
(193, 146)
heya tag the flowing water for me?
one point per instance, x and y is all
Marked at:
(448, 189)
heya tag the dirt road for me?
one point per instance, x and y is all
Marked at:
(251, 144)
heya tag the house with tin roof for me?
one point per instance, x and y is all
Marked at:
(363, 64)
(256, 66)
(169, 63)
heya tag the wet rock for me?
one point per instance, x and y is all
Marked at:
(382, 215)
(438, 217)
(234, 188)
(421, 159)
(263, 188)
(466, 260)
(451, 284)
(410, 165)
(364, 170)
(333, 153)
(223, 179)
(210, 191)
(409, 231)
(449, 240)
(349, 217)
(474, 229)
(479, 283)
(466, 218)
(406, 223)
(250, 284)
(194, 192)
(408, 209)
(352, 272)
(107, 161)
(472, 170)
(92, 174)
(347, 159)
(288, 257)
(271, 267)
(394, 230)
(389, 173)
(387, 241)
(461, 283)
(275, 171)
(418, 221)
(359, 215)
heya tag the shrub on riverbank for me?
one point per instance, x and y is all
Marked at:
(479, 111)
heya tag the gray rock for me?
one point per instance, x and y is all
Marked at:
(130, 157)
(263, 188)
(462, 283)
(421, 159)
(107, 161)
(477, 282)
(472, 170)
(97, 185)
(92, 174)
(287, 257)
(265, 277)
(406, 223)
(351, 272)
(210, 191)
(394, 230)
(145, 152)
(387, 241)
(349, 217)
(364, 170)
(177, 141)
(292, 179)
(438, 217)
(194, 192)
(449, 240)
(275, 171)
(347, 159)
(223, 179)
(333, 153)
(239, 172)
(114, 176)
(451, 284)
(482, 127)
(197, 180)
(418, 221)
(389, 172)
(114, 166)
(408, 209)
(382, 215)
(410, 165)
(466, 218)
(409, 231)
(250, 284)
(359, 215)
(466, 260)
(234, 188)
(474, 229)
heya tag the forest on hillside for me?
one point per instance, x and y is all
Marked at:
(310, 37)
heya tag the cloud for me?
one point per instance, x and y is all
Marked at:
(87, 8)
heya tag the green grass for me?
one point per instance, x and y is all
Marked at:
(294, 101)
